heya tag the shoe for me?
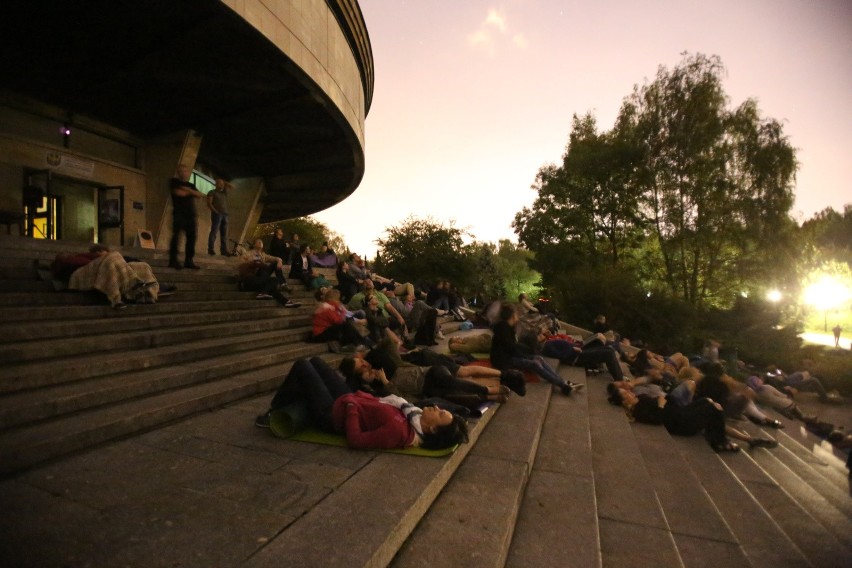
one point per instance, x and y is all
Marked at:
(566, 389)
(211, 253)
(762, 443)
(174, 264)
(726, 447)
(262, 421)
(225, 253)
(263, 296)
(192, 266)
(334, 346)
(349, 348)
(119, 306)
(285, 287)
(773, 423)
(576, 386)
(440, 335)
(292, 304)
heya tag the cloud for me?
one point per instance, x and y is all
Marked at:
(497, 19)
(490, 32)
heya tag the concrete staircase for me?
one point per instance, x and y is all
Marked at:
(77, 373)
(546, 480)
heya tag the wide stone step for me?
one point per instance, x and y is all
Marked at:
(96, 298)
(474, 517)
(26, 447)
(164, 306)
(52, 402)
(119, 322)
(38, 374)
(370, 516)
(54, 349)
(558, 523)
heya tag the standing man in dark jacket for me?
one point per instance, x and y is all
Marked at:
(184, 194)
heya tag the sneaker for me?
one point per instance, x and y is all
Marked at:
(174, 264)
(576, 386)
(334, 346)
(566, 389)
(119, 306)
(262, 421)
(291, 304)
(285, 287)
(192, 266)
(440, 335)
(263, 296)
(166, 289)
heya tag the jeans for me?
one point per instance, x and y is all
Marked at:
(538, 366)
(803, 381)
(594, 356)
(218, 223)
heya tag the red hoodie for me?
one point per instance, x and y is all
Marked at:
(368, 423)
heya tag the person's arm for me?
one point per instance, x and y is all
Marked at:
(210, 204)
(184, 191)
(393, 311)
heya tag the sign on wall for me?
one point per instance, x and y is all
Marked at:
(71, 165)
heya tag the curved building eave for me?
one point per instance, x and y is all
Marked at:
(160, 66)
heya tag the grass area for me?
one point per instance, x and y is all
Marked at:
(832, 366)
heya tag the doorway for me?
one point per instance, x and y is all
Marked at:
(59, 207)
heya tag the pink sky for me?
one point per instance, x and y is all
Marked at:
(472, 98)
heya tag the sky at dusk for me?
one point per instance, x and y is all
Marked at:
(473, 97)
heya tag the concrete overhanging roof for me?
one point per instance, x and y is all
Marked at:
(156, 67)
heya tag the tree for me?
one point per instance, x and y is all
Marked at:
(425, 250)
(717, 183)
(588, 203)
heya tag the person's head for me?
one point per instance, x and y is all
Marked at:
(370, 301)
(356, 371)
(331, 295)
(522, 296)
(324, 247)
(600, 318)
(258, 244)
(623, 397)
(369, 285)
(712, 370)
(319, 295)
(220, 184)
(183, 172)
(442, 429)
(755, 383)
(279, 233)
(689, 374)
(99, 249)
(508, 314)
(294, 237)
(304, 249)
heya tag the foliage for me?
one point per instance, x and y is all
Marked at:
(717, 182)
(421, 250)
(513, 272)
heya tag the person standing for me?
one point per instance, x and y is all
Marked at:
(217, 202)
(837, 330)
(184, 193)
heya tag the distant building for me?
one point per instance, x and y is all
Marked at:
(100, 101)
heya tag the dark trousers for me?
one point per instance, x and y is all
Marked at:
(183, 223)
(315, 382)
(271, 268)
(440, 382)
(345, 333)
(698, 415)
(265, 284)
(594, 356)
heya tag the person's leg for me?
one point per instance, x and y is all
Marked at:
(223, 235)
(439, 381)
(683, 393)
(596, 355)
(478, 372)
(177, 227)
(191, 225)
(813, 384)
(538, 366)
(215, 220)
(334, 382)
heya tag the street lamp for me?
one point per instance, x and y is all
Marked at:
(825, 294)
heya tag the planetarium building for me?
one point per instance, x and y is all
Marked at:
(102, 100)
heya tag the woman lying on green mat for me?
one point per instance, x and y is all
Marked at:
(367, 422)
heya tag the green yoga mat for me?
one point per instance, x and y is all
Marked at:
(292, 422)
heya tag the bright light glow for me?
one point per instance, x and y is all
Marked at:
(826, 293)
(774, 296)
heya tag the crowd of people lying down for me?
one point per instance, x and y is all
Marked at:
(391, 391)
(387, 330)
